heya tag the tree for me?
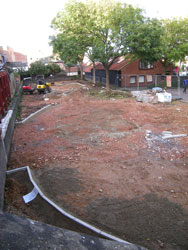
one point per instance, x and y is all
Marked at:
(37, 68)
(52, 68)
(110, 16)
(105, 29)
(144, 40)
(73, 39)
(93, 55)
(174, 41)
(69, 49)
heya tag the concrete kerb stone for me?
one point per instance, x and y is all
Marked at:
(70, 216)
(34, 114)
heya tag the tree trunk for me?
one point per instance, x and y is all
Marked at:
(81, 71)
(164, 67)
(94, 73)
(107, 80)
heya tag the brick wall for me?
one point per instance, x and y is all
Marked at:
(134, 70)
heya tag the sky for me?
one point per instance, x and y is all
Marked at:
(25, 24)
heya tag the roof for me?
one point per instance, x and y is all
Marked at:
(89, 67)
(118, 64)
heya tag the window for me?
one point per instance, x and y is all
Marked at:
(141, 79)
(146, 65)
(132, 79)
(149, 78)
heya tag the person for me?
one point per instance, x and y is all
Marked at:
(185, 84)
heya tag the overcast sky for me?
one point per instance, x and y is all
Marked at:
(25, 24)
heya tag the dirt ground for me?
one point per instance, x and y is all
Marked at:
(105, 161)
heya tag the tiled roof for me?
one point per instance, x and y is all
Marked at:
(88, 67)
(118, 64)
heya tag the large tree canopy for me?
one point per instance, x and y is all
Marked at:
(73, 37)
(144, 40)
(94, 26)
(108, 29)
(174, 40)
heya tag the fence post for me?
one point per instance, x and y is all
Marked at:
(155, 80)
(178, 86)
(137, 81)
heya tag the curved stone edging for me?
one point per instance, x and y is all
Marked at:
(81, 222)
(34, 114)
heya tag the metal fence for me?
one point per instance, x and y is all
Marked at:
(88, 77)
(99, 79)
(147, 81)
(172, 83)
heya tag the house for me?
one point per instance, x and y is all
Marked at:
(122, 73)
(13, 59)
(87, 68)
(71, 71)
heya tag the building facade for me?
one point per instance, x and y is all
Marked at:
(124, 73)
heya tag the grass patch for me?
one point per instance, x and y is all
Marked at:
(18, 113)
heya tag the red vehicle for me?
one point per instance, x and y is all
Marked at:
(28, 86)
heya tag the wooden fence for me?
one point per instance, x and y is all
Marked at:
(5, 93)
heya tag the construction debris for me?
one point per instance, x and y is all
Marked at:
(174, 136)
(164, 135)
(152, 96)
(164, 97)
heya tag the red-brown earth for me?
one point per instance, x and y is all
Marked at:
(91, 156)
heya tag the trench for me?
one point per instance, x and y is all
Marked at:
(46, 210)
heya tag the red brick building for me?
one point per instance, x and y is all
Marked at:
(123, 73)
(14, 59)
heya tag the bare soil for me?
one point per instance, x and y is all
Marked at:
(92, 157)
